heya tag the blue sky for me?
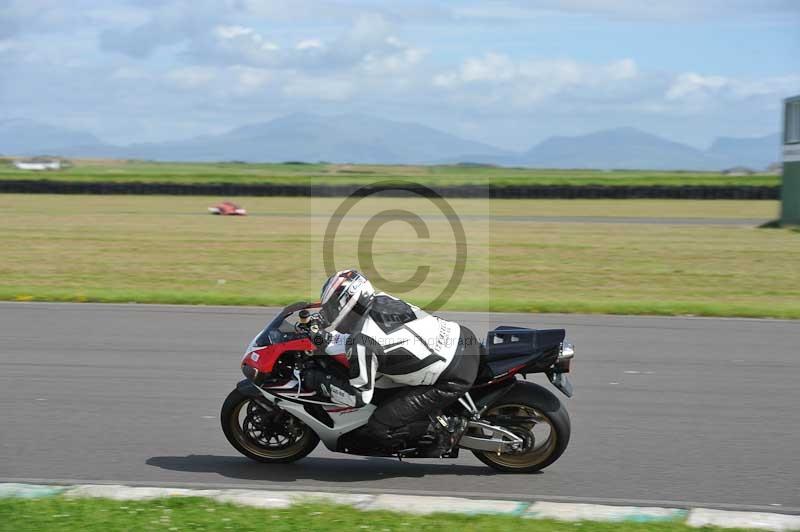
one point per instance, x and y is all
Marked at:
(507, 73)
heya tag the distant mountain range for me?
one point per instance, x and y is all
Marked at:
(366, 139)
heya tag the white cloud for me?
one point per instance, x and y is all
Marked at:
(490, 67)
(367, 48)
(300, 10)
(192, 77)
(404, 60)
(623, 69)
(309, 44)
(367, 30)
(497, 83)
(128, 73)
(495, 77)
(251, 79)
(116, 14)
(245, 44)
(216, 61)
(170, 23)
(499, 68)
(42, 16)
(319, 88)
(500, 11)
(217, 82)
(9, 46)
(231, 32)
(691, 84)
(699, 89)
(673, 11)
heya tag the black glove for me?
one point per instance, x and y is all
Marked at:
(317, 380)
(320, 339)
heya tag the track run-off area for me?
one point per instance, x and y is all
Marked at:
(667, 411)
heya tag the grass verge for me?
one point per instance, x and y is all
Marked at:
(348, 174)
(151, 249)
(187, 513)
(627, 308)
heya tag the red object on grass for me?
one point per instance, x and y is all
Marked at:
(227, 208)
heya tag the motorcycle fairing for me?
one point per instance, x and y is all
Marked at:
(263, 358)
(506, 342)
(512, 350)
(344, 419)
(331, 421)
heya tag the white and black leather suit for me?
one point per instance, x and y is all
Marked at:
(391, 344)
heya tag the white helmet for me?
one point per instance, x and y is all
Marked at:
(346, 294)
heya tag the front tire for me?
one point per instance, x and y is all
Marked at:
(264, 433)
(529, 400)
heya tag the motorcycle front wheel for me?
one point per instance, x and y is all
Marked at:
(538, 417)
(263, 432)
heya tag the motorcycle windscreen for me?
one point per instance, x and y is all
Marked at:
(280, 329)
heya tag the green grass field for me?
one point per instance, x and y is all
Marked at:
(344, 174)
(169, 250)
(184, 513)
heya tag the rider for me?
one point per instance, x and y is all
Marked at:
(390, 343)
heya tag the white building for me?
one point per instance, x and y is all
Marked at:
(46, 165)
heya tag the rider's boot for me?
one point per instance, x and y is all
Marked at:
(442, 436)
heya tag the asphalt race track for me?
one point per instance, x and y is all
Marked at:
(667, 410)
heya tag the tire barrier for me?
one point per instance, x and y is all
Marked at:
(45, 186)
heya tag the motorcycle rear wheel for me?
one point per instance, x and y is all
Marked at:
(243, 422)
(530, 400)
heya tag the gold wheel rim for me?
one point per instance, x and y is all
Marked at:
(540, 452)
(245, 441)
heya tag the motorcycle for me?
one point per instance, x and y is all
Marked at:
(512, 425)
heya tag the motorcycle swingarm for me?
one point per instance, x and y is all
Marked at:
(499, 441)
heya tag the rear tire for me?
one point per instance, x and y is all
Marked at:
(527, 395)
(254, 442)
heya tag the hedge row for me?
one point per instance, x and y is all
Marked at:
(464, 191)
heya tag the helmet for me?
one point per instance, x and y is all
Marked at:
(345, 295)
